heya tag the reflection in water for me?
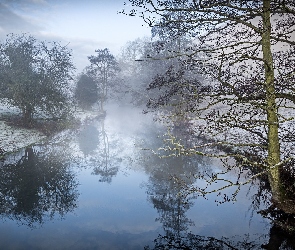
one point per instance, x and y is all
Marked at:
(88, 139)
(170, 193)
(226, 182)
(40, 185)
(282, 231)
(35, 187)
(190, 241)
(104, 155)
(166, 195)
(105, 164)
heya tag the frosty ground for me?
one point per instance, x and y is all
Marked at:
(14, 138)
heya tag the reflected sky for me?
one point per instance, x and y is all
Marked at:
(122, 213)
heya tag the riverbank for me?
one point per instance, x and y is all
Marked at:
(15, 137)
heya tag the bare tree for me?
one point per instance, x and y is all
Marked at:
(245, 52)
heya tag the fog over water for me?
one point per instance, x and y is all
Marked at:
(121, 210)
(111, 141)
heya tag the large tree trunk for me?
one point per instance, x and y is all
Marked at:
(271, 106)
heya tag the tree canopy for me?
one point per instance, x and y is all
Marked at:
(104, 67)
(35, 75)
(86, 91)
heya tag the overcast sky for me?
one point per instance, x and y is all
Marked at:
(83, 25)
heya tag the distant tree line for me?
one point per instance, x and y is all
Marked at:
(37, 77)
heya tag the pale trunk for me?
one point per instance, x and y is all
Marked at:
(271, 106)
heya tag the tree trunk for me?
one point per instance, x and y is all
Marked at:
(104, 90)
(271, 106)
(27, 115)
(101, 102)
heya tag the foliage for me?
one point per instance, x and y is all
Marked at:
(35, 75)
(86, 91)
(104, 68)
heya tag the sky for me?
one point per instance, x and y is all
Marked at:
(83, 26)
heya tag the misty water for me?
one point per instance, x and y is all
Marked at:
(102, 187)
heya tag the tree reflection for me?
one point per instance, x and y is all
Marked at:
(36, 187)
(281, 215)
(88, 139)
(103, 157)
(171, 190)
(191, 241)
(165, 194)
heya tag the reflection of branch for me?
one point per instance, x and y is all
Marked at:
(104, 167)
(192, 241)
(188, 190)
(106, 144)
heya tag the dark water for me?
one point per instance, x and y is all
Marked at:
(96, 188)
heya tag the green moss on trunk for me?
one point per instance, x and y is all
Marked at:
(271, 106)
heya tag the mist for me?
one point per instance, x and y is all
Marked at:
(147, 124)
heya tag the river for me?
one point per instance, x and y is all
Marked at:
(102, 187)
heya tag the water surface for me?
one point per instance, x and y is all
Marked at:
(97, 188)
